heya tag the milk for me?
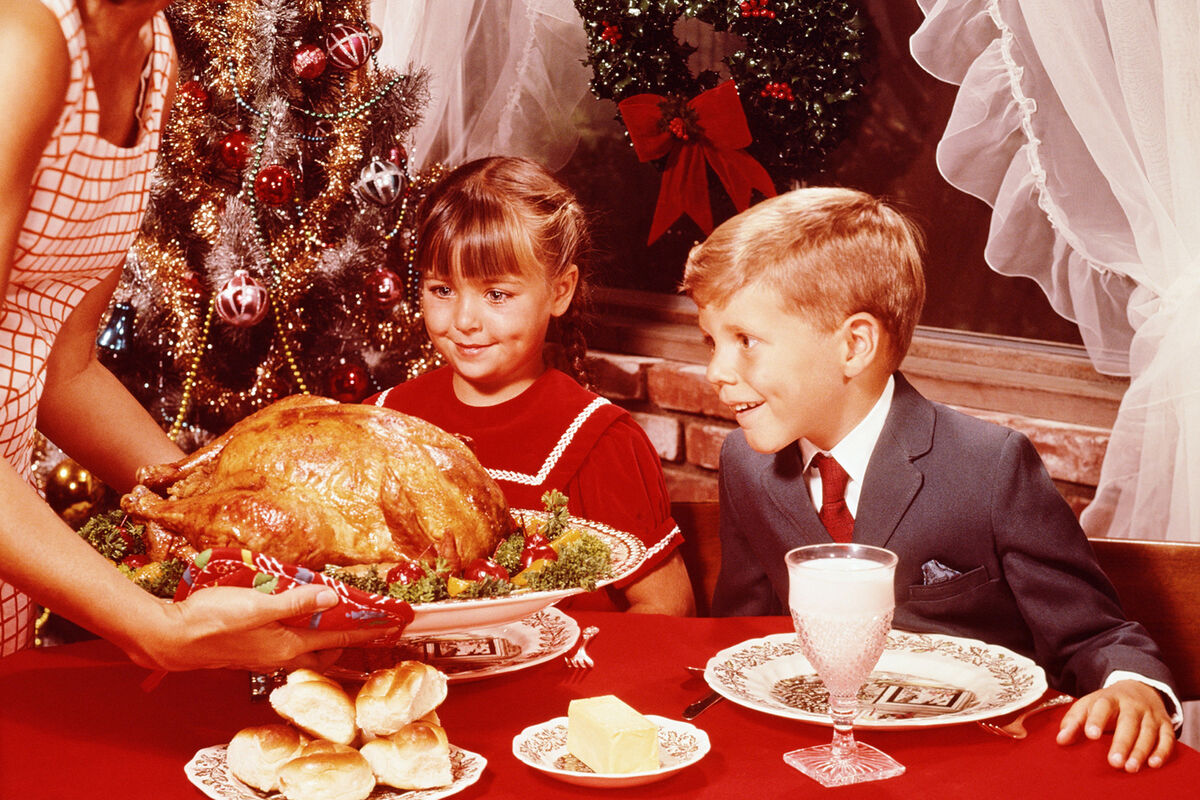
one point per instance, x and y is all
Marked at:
(855, 587)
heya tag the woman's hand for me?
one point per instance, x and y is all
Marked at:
(232, 627)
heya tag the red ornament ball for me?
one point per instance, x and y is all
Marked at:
(274, 185)
(196, 92)
(234, 149)
(191, 281)
(348, 46)
(348, 382)
(375, 35)
(384, 287)
(308, 61)
(242, 301)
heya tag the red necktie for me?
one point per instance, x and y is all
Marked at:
(834, 514)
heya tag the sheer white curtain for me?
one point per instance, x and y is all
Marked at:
(1078, 121)
(505, 75)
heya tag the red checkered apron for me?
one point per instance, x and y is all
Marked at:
(87, 203)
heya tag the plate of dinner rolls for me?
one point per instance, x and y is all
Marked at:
(384, 743)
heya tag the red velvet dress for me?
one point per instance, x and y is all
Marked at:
(558, 435)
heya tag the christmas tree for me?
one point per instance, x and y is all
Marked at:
(275, 257)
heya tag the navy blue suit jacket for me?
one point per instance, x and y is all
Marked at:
(974, 496)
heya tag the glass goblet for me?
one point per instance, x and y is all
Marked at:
(842, 598)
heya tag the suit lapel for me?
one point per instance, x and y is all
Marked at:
(893, 480)
(783, 484)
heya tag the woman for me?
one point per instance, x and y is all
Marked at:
(87, 83)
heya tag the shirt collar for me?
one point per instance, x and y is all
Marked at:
(853, 452)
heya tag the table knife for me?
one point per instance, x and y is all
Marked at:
(693, 711)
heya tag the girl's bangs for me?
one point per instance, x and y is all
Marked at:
(476, 249)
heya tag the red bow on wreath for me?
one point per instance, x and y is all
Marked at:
(710, 127)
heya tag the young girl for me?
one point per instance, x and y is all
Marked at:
(499, 245)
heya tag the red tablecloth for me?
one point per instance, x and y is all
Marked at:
(75, 724)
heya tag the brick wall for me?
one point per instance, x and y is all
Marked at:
(679, 411)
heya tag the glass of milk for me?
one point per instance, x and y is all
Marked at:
(842, 597)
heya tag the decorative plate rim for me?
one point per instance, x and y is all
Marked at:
(1021, 680)
(208, 771)
(628, 553)
(623, 565)
(555, 731)
(555, 631)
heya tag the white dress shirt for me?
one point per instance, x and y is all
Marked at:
(853, 452)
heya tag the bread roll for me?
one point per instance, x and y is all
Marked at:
(316, 705)
(327, 771)
(256, 754)
(415, 757)
(392, 698)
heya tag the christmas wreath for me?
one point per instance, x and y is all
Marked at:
(788, 104)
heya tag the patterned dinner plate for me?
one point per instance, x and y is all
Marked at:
(470, 655)
(921, 680)
(544, 747)
(209, 772)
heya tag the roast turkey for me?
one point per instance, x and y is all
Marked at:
(313, 482)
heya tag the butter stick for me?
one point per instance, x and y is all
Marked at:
(610, 737)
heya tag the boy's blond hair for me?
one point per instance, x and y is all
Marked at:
(827, 252)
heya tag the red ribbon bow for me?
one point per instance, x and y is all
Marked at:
(723, 133)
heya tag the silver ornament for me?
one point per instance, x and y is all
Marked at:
(381, 181)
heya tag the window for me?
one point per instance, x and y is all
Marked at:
(892, 154)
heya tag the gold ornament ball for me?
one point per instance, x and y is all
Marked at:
(69, 485)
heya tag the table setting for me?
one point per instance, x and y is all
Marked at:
(785, 708)
(78, 724)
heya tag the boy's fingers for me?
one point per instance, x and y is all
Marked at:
(1128, 752)
(1098, 718)
(1072, 722)
(1126, 735)
(1166, 744)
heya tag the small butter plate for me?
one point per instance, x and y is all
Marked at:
(544, 747)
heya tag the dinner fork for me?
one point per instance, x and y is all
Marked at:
(1016, 728)
(579, 659)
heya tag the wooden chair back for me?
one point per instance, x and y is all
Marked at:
(700, 524)
(1159, 586)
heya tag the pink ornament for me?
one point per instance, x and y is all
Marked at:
(384, 287)
(308, 61)
(348, 47)
(242, 301)
(274, 185)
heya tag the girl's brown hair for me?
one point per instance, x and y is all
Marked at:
(502, 216)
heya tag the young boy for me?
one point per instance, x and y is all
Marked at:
(809, 301)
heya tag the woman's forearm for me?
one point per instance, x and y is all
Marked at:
(43, 557)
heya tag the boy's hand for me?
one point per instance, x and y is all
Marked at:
(1142, 730)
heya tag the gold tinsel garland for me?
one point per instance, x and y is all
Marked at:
(292, 240)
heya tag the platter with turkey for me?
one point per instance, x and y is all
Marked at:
(395, 514)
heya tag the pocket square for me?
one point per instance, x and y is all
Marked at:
(934, 571)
